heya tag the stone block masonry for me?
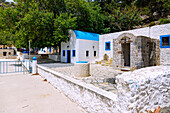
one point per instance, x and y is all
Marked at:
(145, 89)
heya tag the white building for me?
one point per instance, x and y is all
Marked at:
(85, 46)
(159, 32)
(81, 47)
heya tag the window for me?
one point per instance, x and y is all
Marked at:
(95, 53)
(107, 46)
(4, 53)
(63, 52)
(9, 53)
(87, 53)
(74, 53)
(165, 41)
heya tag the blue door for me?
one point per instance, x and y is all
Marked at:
(68, 56)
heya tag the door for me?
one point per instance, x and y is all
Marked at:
(68, 56)
(126, 53)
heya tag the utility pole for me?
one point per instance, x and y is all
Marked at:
(29, 57)
(29, 49)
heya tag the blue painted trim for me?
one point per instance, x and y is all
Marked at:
(64, 53)
(161, 41)
(82, 62)
(50, 49)
(86, 35)
(73, 53)
(106, 46)
(67, 56)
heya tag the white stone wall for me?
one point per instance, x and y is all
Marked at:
(165, 56)
(7, 53)
(26, 56)
(80, 46)
(87, 45)
(73, 44)
(55, 57)
(153, 32)
(144, 89)
(89, 97)
(158, 30)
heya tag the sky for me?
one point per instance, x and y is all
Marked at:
(9, 0)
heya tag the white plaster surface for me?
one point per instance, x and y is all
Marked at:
(81, 46)
(152, 32)
(165, 56)
(54, 57)
(144, 89)
(91, 98)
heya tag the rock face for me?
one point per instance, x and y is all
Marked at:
(144, 89)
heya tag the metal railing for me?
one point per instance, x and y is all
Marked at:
(15, 66)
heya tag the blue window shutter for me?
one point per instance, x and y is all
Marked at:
(50, 49)
(161, 41)
(107, 46)
(63, 52)
(74, 53)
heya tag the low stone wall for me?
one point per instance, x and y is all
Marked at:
(26, 56)
(89, 97)
(75, 70)
(144, 89)
(54, 57)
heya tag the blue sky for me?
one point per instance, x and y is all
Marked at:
(9, 0)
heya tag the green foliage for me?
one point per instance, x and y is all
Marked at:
(162, 7)
(2, 1)
(164, 21)
(151, 24)
(46, 22)
(34, 26)
(8, 18)
(62, 24)
(124, 18)
(89, 16)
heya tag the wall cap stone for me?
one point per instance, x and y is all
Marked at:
(90, 87)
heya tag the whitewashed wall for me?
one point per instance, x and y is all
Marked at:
(140, 91)
(87, 45)
(144, 90)
(80, 46)
(73, 44)
(54, 57)
(89, 97)
(154, 32)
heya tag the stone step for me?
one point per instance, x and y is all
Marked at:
(125, 69)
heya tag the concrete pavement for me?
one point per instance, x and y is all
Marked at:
(30, 94)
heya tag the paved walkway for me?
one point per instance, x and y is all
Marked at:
(30, 94)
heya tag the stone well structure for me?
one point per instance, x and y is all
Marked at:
(135, 51)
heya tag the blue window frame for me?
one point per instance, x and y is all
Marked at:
(63, 52)
(107, 46)
(74, 53)
(165, 41)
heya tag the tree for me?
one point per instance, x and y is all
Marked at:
(8, 18)
(89, 15)
(2, 1)
(124, 18)
(34, 26)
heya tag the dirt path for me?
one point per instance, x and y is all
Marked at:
(30, 94)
